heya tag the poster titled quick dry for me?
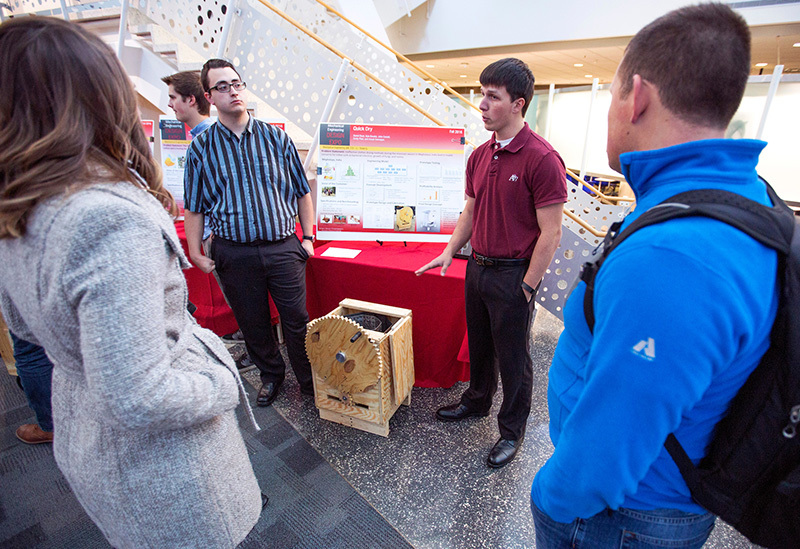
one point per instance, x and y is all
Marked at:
(402, 183)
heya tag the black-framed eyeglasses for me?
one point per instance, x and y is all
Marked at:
(224, 87)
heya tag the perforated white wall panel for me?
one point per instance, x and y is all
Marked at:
(595, 213)
(560, 277)
(196, 24)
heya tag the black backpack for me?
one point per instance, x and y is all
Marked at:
(750, 476)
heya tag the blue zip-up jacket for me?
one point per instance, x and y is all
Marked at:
(683, 315)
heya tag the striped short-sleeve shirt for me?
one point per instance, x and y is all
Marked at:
(247, 186)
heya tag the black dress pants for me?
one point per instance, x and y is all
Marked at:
(249, 274)
(499, 321)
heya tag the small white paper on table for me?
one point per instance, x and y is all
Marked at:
(346, 253)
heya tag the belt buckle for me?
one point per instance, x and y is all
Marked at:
(483, 261)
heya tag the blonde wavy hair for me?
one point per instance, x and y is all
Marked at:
(68, 119)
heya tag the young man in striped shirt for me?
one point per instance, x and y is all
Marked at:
(247, 178)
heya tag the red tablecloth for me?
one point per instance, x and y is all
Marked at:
(204, 292)
(385, 275)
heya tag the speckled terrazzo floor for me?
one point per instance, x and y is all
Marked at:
(429, 479)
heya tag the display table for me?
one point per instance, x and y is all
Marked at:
(385, 275)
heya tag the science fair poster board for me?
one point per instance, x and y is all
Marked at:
(175, 139)
(393, 183)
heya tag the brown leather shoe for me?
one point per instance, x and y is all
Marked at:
(30, 433)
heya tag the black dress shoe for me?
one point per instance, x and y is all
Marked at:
(503, 452)
(268, 393)
(457, 412)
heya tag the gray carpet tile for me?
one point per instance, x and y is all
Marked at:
(311, 505)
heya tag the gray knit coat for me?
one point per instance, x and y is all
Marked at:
(143, 397)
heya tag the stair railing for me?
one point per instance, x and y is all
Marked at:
(419, 70)
(605, 199)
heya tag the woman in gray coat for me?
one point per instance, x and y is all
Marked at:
(90, 268)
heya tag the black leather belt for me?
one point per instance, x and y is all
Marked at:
(484, 261)
(253, 242)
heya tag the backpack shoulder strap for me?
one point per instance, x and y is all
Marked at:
(689, 472)
(771, 226)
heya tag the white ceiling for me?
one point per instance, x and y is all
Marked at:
(555, 62)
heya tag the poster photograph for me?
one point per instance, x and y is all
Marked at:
(396, 183)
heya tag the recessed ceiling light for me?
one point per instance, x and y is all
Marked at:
(431, 66)
(578, 65)
(761, 64)
(462, 75)
(587, 75)
(796, 45)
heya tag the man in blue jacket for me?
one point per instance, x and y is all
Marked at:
(683, 309)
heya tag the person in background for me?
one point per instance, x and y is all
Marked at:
(188, 100)
(683, 309)
(143, 398)
(35, 372)
(246, 177)
(516, 189)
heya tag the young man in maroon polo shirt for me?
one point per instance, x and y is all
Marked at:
(516, 188)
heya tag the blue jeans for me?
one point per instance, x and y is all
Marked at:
(624, 528)
(35, 371)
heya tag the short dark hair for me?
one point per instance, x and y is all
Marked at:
(214, 64)
(698, 57)
(187, 84)
(514, 75)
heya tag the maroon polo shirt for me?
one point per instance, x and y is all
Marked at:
(508, 185)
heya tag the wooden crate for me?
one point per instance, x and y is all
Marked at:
(361, 376)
